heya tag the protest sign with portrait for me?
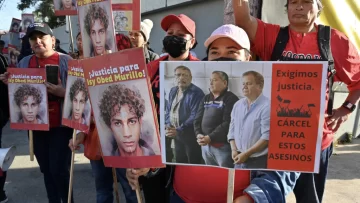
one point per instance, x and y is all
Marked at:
(243, 115)
(97, 27)
(65, 7)
(127, 15)
(28, 99)
(77, 109)
(123, 107)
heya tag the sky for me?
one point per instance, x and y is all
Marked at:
(8, 11)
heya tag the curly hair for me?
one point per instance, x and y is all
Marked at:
(95, 12)
(118, 95)
(76, 87)
(15, 23)
(24, 91)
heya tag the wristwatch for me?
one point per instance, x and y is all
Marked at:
(349, 106)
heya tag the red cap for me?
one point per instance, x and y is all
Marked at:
(182, 19)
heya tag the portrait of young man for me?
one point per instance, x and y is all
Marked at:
(28, 99)
(96, 23)
(79, 97)
(26, 23)
(122, 109)
(67, 5)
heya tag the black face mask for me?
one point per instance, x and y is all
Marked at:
(174, 45)
(225, 59)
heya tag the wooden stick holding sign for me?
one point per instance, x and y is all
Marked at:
(230, 188)
(72, 168)
(31, 145)
(138, 194)
(116, 188)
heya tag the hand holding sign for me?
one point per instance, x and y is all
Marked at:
(56, 90)
(4, 77)
(338, 117)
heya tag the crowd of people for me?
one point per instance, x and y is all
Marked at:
(193, 184)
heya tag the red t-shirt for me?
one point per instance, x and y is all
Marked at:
(198, 184)
(346, 57)
(54, 106)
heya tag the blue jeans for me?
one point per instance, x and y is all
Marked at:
(104, 183)
(310, 187)
(175, 198)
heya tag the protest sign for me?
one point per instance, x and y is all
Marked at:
(13, 56)
(28, 99)
(126, 14)
(77, 109)
(98, 36)
(123, 108)
(26, 20)
(15, 25)
(65, 7)
(280, 130)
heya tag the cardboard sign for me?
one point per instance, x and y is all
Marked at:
(127, 15)
(77, 109)
(65, 7)
(122, 103)
(28, 99)
(263, 111)
(98, 36)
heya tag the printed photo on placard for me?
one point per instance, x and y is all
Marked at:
(122, 1)
(26, 20)
(127, 15)
(77, 109)
(15, 25)
(122, 20)
(123, 109)
(13, 56)
(28, 99)
(97, 28)
(242, 115)
(65, 7)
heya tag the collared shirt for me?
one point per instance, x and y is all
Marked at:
(174, 112)
(249, 124)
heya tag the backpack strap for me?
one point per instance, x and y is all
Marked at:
(280, 44)
(324, 43)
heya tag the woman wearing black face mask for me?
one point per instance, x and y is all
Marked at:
(179, 40)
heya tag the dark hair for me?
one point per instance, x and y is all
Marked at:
(11, 54)
(95, 12)
(15, 23)
(25, 91)
(318, 2)
(118, 95)
(79, 33)
(223, 76)
(259, 79)
(27, 20)
(2, 42)
(183, 68)
(76, 87)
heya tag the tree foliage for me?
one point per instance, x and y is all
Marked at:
(44, 11)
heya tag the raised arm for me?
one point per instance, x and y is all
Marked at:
(243, 18)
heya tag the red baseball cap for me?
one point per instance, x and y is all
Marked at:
(182, 19)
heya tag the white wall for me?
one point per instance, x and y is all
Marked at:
(199, 12)
(201, 73)
(150, 5)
